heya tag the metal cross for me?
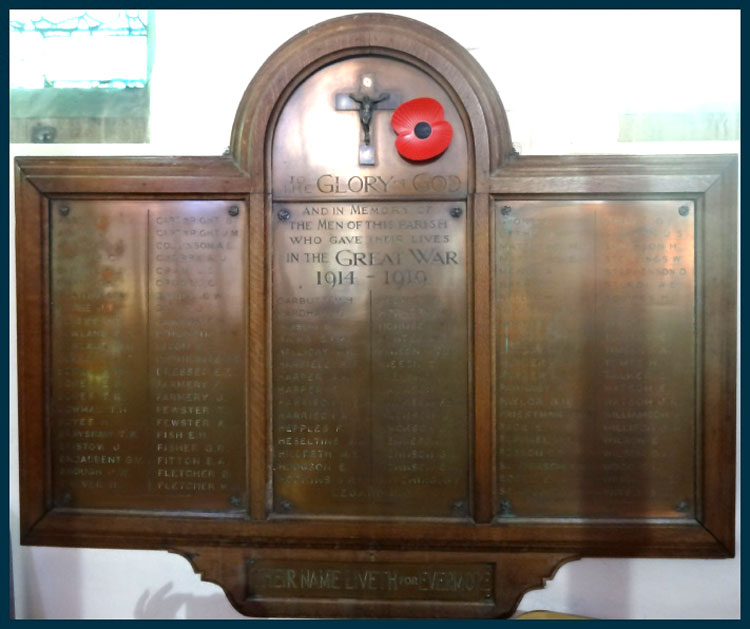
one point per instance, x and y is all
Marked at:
(366, 101)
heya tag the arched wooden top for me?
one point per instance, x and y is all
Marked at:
(371, 33)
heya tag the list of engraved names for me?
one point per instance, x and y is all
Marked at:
(148, 355)
(595, 392)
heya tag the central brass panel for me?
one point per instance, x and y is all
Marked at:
(370, 359)
(595, 358)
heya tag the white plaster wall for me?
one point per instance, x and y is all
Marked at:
(564, 76)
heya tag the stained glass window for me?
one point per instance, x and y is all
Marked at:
(83, 49)
(80, 75)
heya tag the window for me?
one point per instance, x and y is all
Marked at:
(80, 76)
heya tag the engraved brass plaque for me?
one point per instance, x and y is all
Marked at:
(595, 358)
(148, 354)
(370, 359)
(318, 150)
(402, 581)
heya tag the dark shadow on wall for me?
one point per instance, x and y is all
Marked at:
(162, 604)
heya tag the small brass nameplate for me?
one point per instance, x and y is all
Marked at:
(464, 582)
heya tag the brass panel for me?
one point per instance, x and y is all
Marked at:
(147, 394)
(385, 581)
(595, 358)
(370, 359)
(316, 147)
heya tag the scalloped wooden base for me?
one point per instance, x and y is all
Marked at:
(373, 584)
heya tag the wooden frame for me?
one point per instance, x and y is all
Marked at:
(523, 551)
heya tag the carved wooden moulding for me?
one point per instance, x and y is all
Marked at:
(374, 363)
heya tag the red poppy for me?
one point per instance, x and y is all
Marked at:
(422, 132)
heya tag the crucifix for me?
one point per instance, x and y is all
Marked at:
(366, 101)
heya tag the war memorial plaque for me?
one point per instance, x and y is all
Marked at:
(373, 362)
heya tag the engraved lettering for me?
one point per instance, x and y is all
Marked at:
(359, 305)
(589, 339)
(386, 581)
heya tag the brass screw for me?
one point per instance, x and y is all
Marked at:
(506, 508)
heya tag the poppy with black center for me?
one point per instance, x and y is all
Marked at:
(423, 133)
